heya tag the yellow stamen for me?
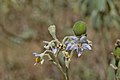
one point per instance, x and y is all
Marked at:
(61, 46)
(37, 59)
(89, 42)
(79, 45)
(67, 55)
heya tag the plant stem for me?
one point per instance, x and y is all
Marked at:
(66, 74)
(60, 68)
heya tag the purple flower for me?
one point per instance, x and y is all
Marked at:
(39, 58)
(51, 46)
(78, 44)
(54, 49)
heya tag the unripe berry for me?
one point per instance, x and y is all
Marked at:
(79, 28)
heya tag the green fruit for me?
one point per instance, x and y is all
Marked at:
(117, 51)
(79, 28)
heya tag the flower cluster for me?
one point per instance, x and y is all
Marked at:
(62, 50)
(79, 44)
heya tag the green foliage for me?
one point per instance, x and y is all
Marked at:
(103, 13)
(52, 31)
(111, 72)
(117, 51)
(79, 28)
(116, 64)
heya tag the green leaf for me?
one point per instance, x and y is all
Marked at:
(61, 60)
(67, 63)
(79, 28)
(96, 20)
(100, 5)
(110, 73)
(52, 31)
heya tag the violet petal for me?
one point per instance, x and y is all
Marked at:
(83, 39)
(86, 46)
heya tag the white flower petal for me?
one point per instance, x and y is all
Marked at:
(42, 61)
(80, 52)
(35, 63)
(46, 42)
(76, 48)
(79, 55)
(46, 47)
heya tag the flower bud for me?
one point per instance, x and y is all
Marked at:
(79, 28)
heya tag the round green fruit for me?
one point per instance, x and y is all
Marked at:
(79, 28)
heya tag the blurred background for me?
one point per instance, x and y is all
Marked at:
(23, 27)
